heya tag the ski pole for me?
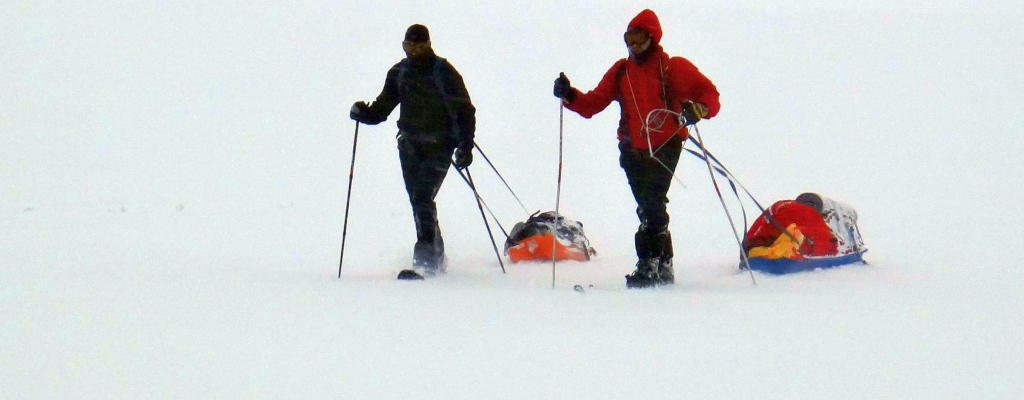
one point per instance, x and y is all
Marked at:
(558, 193)
(500, 177)
(348, 199)
(479, 205)
(743, 254)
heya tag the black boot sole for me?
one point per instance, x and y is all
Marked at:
(640, 283)
(409, 275)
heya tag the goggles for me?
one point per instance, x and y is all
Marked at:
(636, 36)
(409, 45)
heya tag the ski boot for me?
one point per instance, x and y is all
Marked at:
(645, 276)
(423, 268)
(654, 250)
(428, 259)
(667, 274)
(409, 275)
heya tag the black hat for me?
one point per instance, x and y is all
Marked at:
(417, 33)
(811, 199)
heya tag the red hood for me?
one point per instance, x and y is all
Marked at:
(648, 21)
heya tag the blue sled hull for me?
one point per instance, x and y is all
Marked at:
(780, 266)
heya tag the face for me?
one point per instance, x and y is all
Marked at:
(416, 50)
(637, 40)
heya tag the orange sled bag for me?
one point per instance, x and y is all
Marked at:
(532, 239)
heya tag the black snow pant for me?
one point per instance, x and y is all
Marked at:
(649, 181)
(425, 160)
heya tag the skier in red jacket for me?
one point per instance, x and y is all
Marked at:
(649, 142)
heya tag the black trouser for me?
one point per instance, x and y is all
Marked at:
(425, 160)
(649, 181)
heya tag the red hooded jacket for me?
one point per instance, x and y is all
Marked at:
(640, 87)
(818, 241)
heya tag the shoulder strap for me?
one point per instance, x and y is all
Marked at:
(621, 72)
(439, 63)
(663, 68)
(403, 76)
(436, 75)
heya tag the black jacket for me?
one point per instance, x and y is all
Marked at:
(434, 100)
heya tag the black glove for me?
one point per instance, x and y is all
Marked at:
(361, 112)
(692, 112)
(563, 89)
(463, 157)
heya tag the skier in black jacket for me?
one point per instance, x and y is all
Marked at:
(437, 118)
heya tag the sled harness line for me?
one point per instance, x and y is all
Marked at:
(495, 169)
(721, 170)
(733, 182)
(743, 253)
(479, 203)
(473, 187)
(456, 131)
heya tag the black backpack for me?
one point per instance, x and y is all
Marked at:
(543, 222)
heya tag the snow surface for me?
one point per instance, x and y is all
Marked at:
(173, 177)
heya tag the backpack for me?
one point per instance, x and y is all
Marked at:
(533, 238)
